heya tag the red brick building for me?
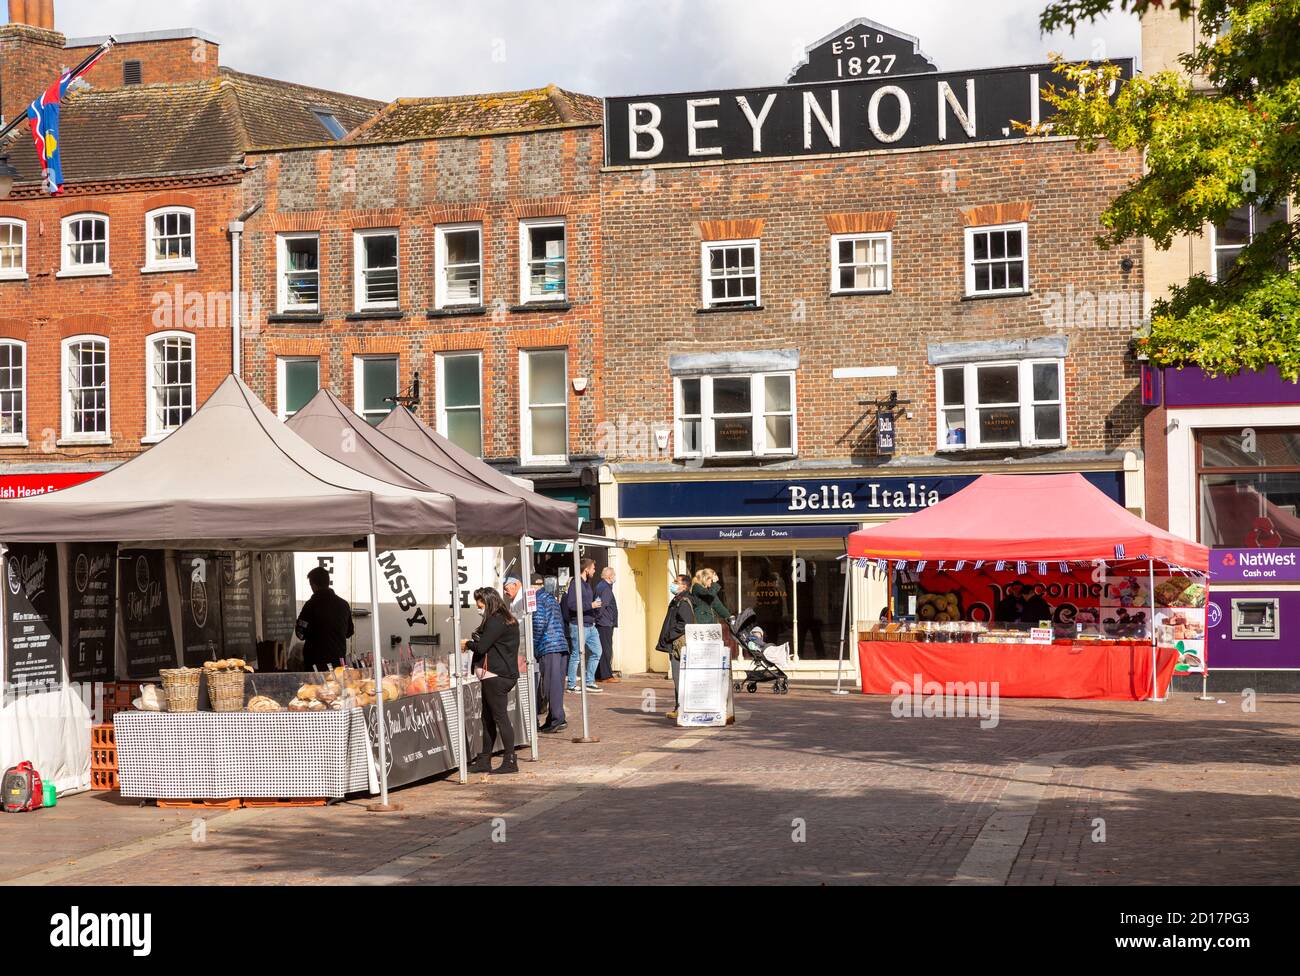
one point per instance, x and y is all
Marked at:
(457, 240)
(116, 298)
(780, 261)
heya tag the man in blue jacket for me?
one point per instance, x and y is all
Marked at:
(552, 650)
(589, 607)
(606, 621)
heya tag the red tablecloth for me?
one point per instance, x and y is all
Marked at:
(1082, 670)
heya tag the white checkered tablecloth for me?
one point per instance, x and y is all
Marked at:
(224, 755)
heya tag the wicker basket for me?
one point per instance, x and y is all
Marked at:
(226, 691)
(182, 688)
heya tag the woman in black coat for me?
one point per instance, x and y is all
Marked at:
(495, 646)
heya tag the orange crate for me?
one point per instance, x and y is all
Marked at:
(103, 758)
(290, 802)
(101, 736)
(199, 804)
(103, 779)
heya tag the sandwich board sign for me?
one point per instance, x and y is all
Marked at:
(705, 694)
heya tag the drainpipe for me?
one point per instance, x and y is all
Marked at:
(236, 296)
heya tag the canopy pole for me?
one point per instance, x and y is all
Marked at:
(461, 760)
(377, 659)
(525, 583)
(844, 625)
(1151, 583)
(581, 649)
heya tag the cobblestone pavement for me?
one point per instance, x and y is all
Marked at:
(806, 788)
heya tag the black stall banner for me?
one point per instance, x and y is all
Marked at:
(32, 619)
(237, 604)
(279, 604)
(146, 616)
(92, 593)
(201, 632)
(419, 740)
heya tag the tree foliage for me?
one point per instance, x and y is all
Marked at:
(1222, 133)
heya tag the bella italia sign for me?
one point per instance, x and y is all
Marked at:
(868, 106)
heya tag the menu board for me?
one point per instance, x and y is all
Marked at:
(279, 602)
(200, 584)
(419, 740)
(92, 592)
(237, 604)
(32, 617)
(146, 617)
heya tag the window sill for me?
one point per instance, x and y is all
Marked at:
(541, 464)
(451, 311)
(156, 438)
(998, 294)
(11, 276)
(164, 268)
(557, 305)
(976, 449)
(716, 309)
(296, 317)
(84, 442)
(89, 273)
(13, 442)
(366, 314)
(858, 293)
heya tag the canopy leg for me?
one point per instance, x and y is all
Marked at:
(530, 689)
(844, 625)
(377, 657)
(462, 761)
(581, 649)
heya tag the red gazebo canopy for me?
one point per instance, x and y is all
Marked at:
(1043, 517)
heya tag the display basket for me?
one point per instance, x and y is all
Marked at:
(182, 687)
(226, 690)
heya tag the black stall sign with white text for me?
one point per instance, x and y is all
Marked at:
(146, 616)
(237, 604)
(905, 112)
(32, 615)
(202, 638)
(92, 592)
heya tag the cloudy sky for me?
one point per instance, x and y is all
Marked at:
(604, 47)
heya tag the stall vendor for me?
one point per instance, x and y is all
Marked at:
(324, 625)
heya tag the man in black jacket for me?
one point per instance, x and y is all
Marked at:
(324, 625)
(672, 635)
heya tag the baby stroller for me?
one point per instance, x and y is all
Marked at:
(750, 637)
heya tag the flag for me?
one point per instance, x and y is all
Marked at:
(961, 564)
(1022, 566)
(1000, 565)
(43, 117)
(1119, 551)
(1042, 569)
(920, 566)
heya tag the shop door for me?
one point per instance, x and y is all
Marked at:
(819, 604)
(767, 585)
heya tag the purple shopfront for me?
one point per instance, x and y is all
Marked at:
(1232, 482)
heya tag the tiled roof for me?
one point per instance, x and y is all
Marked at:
(143, 131)
(462, 115)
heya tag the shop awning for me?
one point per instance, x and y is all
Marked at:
(1043, 517)
(757, 533)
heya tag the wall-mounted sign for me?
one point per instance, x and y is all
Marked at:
(861, 49)
(775, 499)
(828, 117)
(1255, 565)
(146, 616)
(885, 432)
(32, 618)
(1152, 385)
(92, 592)
(30, 485)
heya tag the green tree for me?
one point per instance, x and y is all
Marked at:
(1223, 134)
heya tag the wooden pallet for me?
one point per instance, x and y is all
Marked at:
(297, 801)
(236, 804)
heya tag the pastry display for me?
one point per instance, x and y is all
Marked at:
(262, 703)
(227, 664)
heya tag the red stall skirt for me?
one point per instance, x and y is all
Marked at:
(1083, 670)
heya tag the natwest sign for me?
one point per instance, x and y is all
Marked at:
(29, 485)
(856, 115)
(1254, 565)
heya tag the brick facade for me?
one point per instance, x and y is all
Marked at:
(496, 181)
(126, 307)
(655, 220)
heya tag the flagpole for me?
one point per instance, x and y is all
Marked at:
(86, 62)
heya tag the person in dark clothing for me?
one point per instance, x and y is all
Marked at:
(324, 625)
(672, 635)
(1012, 604)
(495, 646)
(590, 638)
(1036, 607)
(552, 647)
(606, 622)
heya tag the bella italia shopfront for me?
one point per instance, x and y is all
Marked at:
(776, 542)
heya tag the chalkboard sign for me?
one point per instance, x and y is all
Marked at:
(419, 740)
(146, 616)
(32, 619)
(279, 604)
(92, 593)
(237, 604)
(200, 583)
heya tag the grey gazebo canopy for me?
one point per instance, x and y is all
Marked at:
(234, 477)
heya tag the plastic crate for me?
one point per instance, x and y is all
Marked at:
(103, 758)
(102, 737)
(103, 779)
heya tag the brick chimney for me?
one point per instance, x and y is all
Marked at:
(31, 54)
